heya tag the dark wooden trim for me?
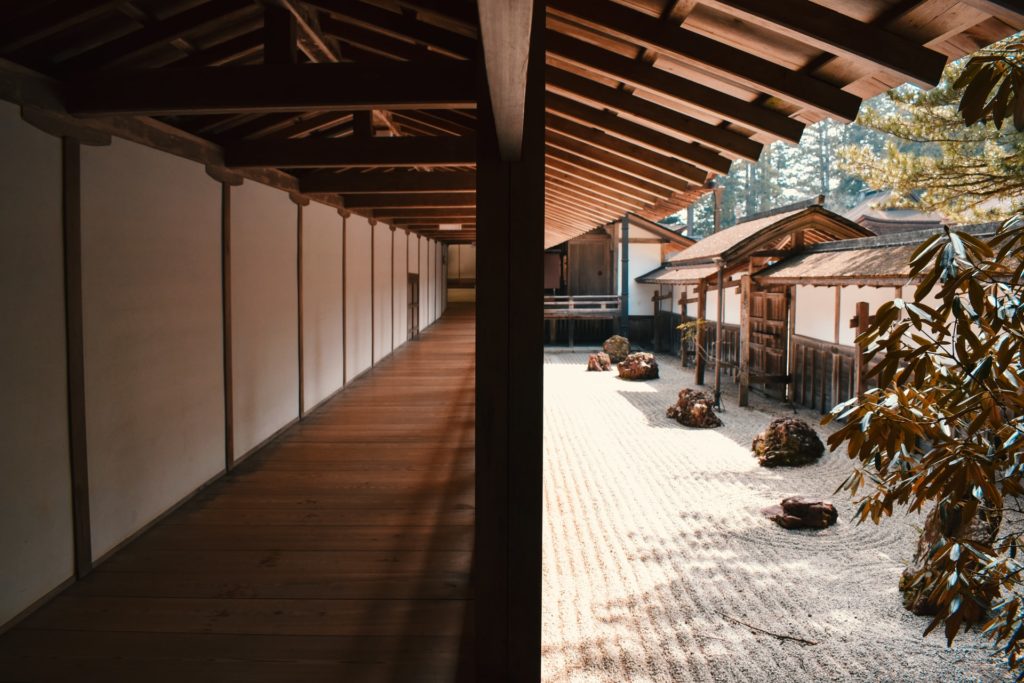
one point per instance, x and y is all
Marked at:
(75, 338)
(449, 150)
(272, 88)
(28, 611)
(62, 126)
(298, 288)
(376, 181)
(392, 289)
(344, 298)
(745, 304)
(225, 275)
(509, 387)
(373, 293)
(624, 270)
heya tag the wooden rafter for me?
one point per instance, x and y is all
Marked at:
(271, 88)
(388, 181)
(354, 152)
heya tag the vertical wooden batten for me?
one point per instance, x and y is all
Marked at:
(745, 324)
(344, 300)
(624, 288)
(301, 323)
(509, 391)
(73, 305)
(393, 288)
(225, 274)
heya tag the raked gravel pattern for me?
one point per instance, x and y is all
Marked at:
(655, 551)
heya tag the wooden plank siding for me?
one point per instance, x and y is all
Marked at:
(341, 551)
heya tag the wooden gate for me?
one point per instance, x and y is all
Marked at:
(769, 323)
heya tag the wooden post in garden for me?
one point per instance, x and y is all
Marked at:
(682, 320)
(860, 322)
(745, 284)
(700, 338)
(719, 314)
(791, 353)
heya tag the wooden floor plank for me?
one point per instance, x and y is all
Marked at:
(339, 552)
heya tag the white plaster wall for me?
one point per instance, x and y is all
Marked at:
(35, 482)
(424, 265)
(401, 286)
(323, 358)
(874, 296)
(382, 318)
(358, 300)
(462, 261)
(711, 308)
(815, 312)
(643, 258)
(733, 305)
(153, 334)
(414, 252)
(264, 313)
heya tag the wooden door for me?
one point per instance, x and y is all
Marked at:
(590, 262)
(769, 322)
(413, 318)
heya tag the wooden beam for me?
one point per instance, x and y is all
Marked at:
(619, 161)
(50, 19)
(585, 170)
(577, 87)
(119, 51)
(837, 33)
(399, 26)
(656, 80)
(589, 188)
(708, 54)
(427, 215)
(643, 155)
(346, 152)
(312, 42)
(378, 181)
(1008, 11)
(451, 200)
(273, 88)
(223, 53)
(280, 37)
(636, 133)
(78, 444)
(505, 35)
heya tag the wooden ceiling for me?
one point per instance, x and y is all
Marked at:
(370, 104)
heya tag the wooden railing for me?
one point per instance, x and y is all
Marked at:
(594, 306)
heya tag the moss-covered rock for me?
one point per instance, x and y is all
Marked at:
(617, 348)
(640, 365)
(694, 409)
(787, 442)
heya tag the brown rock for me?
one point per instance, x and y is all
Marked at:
(639, 366)
(598, 362)
(798, 512)
(789, 442)
(694, 409)
(617, 348)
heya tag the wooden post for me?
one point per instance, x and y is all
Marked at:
(682, 319)
(744, 339)
(700, 338)
(863, 319)
(225, 274)
(77, 441)
(836, 375)
(791, 353)
(624, 289)
(509, 385)
(301, 325)
(719, 314)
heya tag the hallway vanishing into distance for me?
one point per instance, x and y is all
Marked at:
(340, 552)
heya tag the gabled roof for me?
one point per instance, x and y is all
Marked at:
(880, 260)
(678, 275)
(772, 231)
(660, 230)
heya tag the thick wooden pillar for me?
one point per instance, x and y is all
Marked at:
(863, 321)
(509, 385)
(701, 336)
(745, 339)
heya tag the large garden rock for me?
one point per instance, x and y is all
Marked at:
(598, 362)
(694, 409)
(787, 441)
(798, 512)
(639, 366)
(617, 348)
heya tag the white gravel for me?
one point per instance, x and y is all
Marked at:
(655, 550)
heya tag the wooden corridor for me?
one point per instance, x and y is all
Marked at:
(340, 552)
